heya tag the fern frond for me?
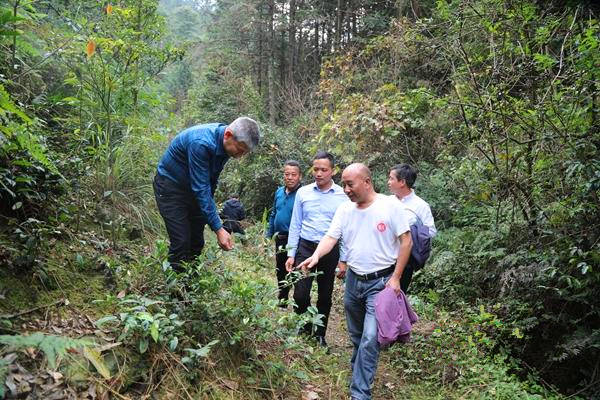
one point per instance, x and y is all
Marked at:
(52, 346)
(7, 105)
(3, 374)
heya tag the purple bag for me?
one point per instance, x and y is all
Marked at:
(395, 317)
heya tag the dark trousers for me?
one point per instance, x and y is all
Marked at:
(280, 259)
(407, 275)
(183, 219)
(326, 265)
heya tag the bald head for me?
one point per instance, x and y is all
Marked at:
(356, 180)
(360, 169)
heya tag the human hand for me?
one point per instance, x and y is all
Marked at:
(289, 264)
(342, 267)
(307, 264)
(394, 283)
(224, 239)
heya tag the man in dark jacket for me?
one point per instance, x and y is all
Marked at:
(186, 179)
(279, 222)
(233, 212)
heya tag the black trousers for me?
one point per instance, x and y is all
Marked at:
(280, 259)
(183, 219)
(407, 275)
(325, 280)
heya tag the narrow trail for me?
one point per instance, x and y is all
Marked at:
(387, 381)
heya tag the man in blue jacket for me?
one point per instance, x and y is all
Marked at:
(279, 223)
(186, 180)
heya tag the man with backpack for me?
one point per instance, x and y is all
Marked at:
(401, 180)
(233, 212)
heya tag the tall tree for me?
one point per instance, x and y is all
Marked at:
(270, 64)
(291, 41)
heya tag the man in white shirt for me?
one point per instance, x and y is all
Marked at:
(400, 182)
(376, 236)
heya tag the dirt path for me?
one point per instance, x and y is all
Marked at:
(387, 381)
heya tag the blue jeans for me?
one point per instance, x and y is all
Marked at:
(359, 303)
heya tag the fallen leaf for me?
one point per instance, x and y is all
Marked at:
(24, 387)
(121, 294)
(310, 395)
(55, 375)
(49, 388)
(108, 346)
(9, 358)
(11, 385)
(58, 395)
(230, 384)
(90, 48)
(103, 394)
(95, 358)
(91, 392)
(31, 351)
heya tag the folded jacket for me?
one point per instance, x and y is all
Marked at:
(395, 317)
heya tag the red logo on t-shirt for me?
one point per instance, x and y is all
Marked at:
(381, 227)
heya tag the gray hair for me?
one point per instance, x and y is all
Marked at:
(245, 130)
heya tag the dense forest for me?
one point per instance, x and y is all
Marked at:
(496, 102)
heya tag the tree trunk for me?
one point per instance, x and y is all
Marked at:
(283, 70)
(13, 46)
(270, 73)
(259, 75)
(317, 49)
(354, 29)
(301, 56)
(291, 41)
(338, 25)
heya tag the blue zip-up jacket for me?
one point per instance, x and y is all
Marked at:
(281, 214)
(194, 160)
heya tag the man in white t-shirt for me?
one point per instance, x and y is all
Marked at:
(400, 182)
(377, 242)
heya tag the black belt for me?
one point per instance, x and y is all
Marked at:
(376, 274)
(309, 244)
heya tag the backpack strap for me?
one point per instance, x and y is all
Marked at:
(419, 220)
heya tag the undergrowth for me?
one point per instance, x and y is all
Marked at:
(216, 331)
